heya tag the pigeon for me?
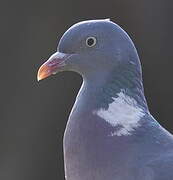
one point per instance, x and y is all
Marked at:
(110, 133)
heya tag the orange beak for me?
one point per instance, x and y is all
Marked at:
(43, 72)
(52, 65)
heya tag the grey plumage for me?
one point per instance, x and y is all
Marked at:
(110, 134)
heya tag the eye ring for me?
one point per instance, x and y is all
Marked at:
(91, 41)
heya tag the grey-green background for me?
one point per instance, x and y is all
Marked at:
(33, 115)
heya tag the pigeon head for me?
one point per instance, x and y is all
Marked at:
(92, 48)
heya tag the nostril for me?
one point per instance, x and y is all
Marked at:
(66, 50)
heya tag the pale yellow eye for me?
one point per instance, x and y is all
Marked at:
(91, 41)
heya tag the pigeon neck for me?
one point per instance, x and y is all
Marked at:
(105, 87)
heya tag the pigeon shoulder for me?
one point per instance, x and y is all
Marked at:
(161, 168)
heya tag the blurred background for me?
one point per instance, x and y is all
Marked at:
(33, 115)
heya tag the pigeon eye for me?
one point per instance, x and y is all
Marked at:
(91, 41)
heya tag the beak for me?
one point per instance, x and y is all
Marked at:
(52, 65)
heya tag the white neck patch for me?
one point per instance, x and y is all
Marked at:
(122, 112)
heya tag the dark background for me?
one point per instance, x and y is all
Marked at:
(33, 115)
